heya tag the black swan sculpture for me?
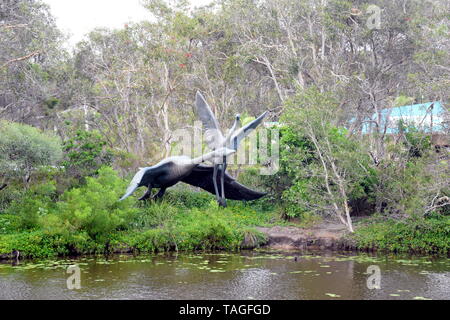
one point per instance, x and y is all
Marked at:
(172, 170)
(168, 172)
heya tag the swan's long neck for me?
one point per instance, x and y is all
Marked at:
(232, 130)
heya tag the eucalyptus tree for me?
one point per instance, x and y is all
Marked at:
(30, 54)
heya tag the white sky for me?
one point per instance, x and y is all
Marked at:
(78, 17)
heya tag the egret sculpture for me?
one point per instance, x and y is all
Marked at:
(182, 168)
(216, 140)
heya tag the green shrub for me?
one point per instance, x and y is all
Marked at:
(85, 154)
(9, 223)
(158, 214)
(35, 244)
(327, 168)
(415, 234)
(89, 219)
(23, 149)
(416, 142)
(34, 204)
(206, 230)
(273, 185)
(9, 195)
(152, 240)
(93, 208)
(184, 196)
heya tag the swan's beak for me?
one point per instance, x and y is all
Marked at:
(132, 188)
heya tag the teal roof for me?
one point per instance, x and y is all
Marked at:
(426, 116)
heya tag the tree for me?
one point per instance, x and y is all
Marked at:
(31, 51)
(23, 149)
(326, 166)
(85, 153)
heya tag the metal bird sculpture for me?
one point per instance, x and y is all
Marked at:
(216, 140)
(202, 177)
(168, 172)
(175, 169)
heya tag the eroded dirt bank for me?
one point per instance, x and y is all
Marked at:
(326, 235)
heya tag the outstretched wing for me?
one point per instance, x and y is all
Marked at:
(202, 177)
(213, 135)
(243, 132)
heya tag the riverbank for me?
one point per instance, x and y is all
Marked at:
(325, 235)
(237, 228)
(416, 235)
(90, 220)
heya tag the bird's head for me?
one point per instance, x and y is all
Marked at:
(135, 183)
(238, 117)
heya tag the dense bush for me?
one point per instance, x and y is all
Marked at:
(324, 168)
(85, 153)
(33, 205)
(14, 191)
(9, 223)
(184, 196)
(411, 177)
(94, 207)
(196, 229)
(23, 149)
(415, 234)
(208, 230)
(34, 244)
(158, 214)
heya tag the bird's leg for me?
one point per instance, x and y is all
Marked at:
(223, 201)
(215, 183)
(160, 194)
(147, 194)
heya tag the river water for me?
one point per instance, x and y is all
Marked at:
(244, 275)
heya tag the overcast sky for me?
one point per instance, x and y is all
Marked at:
(78, 17)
